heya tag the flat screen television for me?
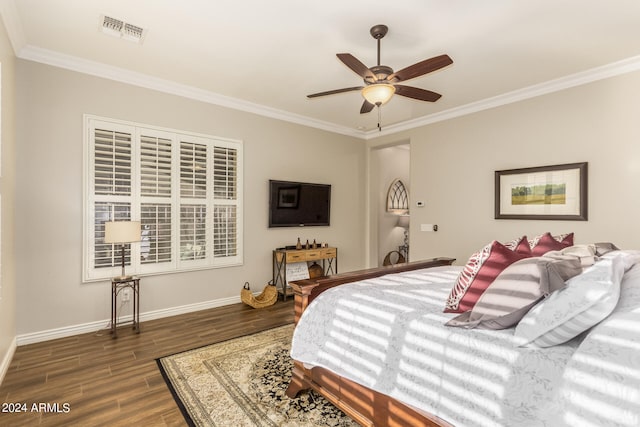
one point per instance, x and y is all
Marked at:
(297, 204)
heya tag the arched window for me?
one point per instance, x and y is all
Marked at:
(398, 198)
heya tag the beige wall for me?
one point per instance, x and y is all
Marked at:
(7, 190)
(453, 164)
(51, 102)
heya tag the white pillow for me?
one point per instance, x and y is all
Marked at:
(603, 374)
(583, 302)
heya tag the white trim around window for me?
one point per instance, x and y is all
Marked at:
(185, 188)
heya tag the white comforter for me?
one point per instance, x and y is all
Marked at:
(388, 334)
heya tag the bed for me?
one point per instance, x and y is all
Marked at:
(376, 344)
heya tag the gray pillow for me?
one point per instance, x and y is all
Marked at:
(604, 247)
(586, 253)
(518, 288)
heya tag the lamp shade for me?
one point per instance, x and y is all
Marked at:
(121, 231)
(379, 93)
(403, 221)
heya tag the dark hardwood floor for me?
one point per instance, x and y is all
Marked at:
(99, 381)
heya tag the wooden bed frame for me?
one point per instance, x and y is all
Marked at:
(363, 405)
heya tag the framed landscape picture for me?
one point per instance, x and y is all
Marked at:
(547, 192)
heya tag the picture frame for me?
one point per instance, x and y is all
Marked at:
(557, 192)
(288, 197)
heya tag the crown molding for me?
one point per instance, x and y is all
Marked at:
(56, 59)
(599, 73)
(45, 56)
(122, 75)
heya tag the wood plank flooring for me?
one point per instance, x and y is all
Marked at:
(116, 382)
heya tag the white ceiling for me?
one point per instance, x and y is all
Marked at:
(266, 56)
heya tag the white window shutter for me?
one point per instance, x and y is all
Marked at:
(186, 190)
(193, 170)
(225, 170)
(156, 240)
(225, 236)
(155, 166)
(193, 232)
(112, 163)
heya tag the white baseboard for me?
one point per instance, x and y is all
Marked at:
(67, 331)
(6, 361)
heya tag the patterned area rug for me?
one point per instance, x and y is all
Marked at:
(242, 382)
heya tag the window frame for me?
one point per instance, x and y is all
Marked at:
(175, 199)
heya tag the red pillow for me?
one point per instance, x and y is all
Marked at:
(520, 245)
(481, 270)
(544, 243)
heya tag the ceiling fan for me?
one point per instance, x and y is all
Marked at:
(380, 81)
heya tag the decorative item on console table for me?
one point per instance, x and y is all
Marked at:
(315, 270)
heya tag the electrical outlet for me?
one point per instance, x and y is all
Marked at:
(126, 295)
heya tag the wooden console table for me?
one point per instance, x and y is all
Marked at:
(282, 257)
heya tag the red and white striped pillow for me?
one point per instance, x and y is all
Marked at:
(481, 270)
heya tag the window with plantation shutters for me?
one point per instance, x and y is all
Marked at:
(184, 188)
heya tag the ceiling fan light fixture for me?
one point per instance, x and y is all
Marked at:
(378, 93)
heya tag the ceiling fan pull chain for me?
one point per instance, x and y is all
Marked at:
(379, 119)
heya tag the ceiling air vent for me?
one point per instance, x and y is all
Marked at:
(117, 28)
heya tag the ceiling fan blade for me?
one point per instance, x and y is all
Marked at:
(332, 92)
(358, 67)
(366, 107)
(417, 93)
(421, 68)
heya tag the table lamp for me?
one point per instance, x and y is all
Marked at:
(122, 232)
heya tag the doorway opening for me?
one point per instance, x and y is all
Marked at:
(390, 194)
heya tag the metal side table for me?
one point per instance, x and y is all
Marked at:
(117, 285)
